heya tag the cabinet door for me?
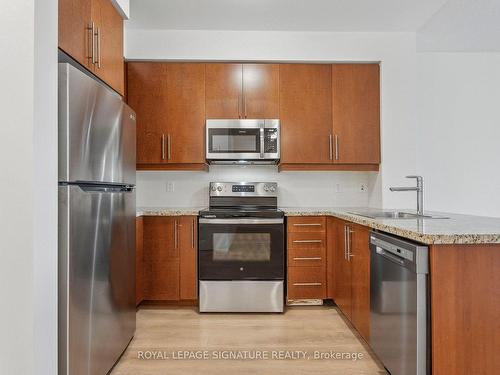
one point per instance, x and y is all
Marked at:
(109, 43)
(306, 113)
(356, 113)
(147, 95)
(224, 90)
(161, 259)
(139, 261)
(75, 37)
(260, 91)
(360, 280)
(188, 258)
(185, 111)
(342, 272)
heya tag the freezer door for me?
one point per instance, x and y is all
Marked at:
(96, 131)
(96, 277)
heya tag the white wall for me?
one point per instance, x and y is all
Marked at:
(396, 51)
(17, 187)
(459, 131)
(45, 194)
(314, 189)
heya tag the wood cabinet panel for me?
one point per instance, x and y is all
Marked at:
(356, 113)
(360, 279)
(260, 91)
(223, 93)
(342, 272)
(306, 113)
(307, 240)
(110, 67)
(139, 261)
(188, 258)
(306, 224)
(147, 95)
(306, 283)
(161, 259)
(185, 112)
(465, 305)
(75, 18)
(305, 257)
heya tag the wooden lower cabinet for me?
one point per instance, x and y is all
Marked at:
(350, 268)
(139, 260)
(169, 258)
(306, 257)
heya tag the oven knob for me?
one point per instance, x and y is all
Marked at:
(219, 188)
(272, 188)
(214, 188)
(266, 188)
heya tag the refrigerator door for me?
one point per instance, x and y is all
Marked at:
(96, 131)
(96, 277)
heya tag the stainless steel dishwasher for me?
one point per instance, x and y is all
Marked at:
(399, 324)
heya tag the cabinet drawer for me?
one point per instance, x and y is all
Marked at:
(299, 224)
(301, 257)
(306, 283)
(306, 240)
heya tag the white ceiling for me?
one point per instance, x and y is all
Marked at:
(289, 15)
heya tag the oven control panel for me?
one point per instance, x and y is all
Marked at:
(244, 189)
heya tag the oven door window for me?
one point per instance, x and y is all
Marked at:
(234, 140)
(241, 252)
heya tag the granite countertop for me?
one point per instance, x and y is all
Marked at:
(456, 229)
(168, 211)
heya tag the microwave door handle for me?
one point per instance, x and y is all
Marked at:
(262, 141)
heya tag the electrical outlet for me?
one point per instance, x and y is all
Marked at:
(338, 188)
(170, 187)
(363, 188)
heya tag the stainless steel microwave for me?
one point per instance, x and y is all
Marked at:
(243, 141)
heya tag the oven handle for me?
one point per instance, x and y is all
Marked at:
(241, 221)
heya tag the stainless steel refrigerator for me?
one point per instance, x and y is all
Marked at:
(96, 224)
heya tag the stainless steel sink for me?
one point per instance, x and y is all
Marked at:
(391, 214)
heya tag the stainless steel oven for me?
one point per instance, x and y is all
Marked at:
(243, 141)
(241, 260)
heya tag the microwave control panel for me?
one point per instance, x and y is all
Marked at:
(270, 141)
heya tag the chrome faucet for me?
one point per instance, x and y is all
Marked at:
(420, 192)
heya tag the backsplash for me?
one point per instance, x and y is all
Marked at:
(296, 189)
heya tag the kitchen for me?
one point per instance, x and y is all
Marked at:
(346, 106)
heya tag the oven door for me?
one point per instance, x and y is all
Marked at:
(235, 139)
(241, 249)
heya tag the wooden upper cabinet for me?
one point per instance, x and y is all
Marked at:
(185, 113)
(260, 91)
(109, 44)
(306, 113)
(91, 32)
(356, 113)
(147, 95)
(75, 37)
(223, 90)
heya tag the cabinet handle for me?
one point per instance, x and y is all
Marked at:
(98, 34)
(349, 237)
(307, 241)
(307, 258)
(345, 241)
(91, 29)
(307, 225)
(337, 147)
(307, 284)
(192, 233)
(175, 233)
(239, 106)
(330, 146)
(169, 146)
(163, 147)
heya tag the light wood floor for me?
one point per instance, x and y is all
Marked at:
(307, 329)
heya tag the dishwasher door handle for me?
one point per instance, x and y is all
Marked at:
(390, 257)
